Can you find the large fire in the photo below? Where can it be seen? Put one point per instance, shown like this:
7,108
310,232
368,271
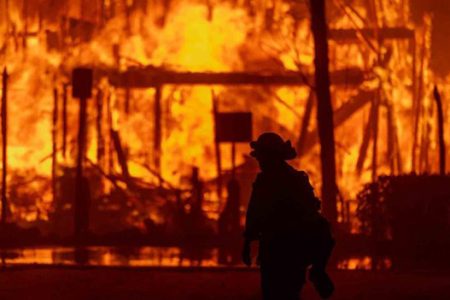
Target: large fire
41,41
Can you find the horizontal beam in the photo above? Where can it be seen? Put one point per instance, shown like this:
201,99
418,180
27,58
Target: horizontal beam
152,77
351,35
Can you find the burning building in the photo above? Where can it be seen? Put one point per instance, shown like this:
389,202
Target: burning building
163,68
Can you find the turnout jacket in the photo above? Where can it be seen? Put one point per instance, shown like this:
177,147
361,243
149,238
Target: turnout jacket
282,202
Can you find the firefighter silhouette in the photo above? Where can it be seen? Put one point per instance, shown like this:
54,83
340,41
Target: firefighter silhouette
283,215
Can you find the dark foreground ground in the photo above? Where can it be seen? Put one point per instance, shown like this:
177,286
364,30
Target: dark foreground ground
153,283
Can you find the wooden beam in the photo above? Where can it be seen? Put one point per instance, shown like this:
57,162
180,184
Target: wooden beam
153,77
387,33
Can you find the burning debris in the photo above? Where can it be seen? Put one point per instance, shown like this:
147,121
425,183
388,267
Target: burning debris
163,69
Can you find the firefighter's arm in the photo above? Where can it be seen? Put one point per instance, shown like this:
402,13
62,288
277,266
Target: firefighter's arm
253,216
311,197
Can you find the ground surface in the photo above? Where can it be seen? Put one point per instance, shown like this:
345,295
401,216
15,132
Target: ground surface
153,283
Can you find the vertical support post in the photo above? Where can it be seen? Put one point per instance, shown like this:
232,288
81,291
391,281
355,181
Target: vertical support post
305,123
418,101
110,162
64,121
217,148
157,129
82,80
324,109
79,171
100,138
4,116
390,138
375,135
233,160
54,142
366,140
127,100
440,114
414,101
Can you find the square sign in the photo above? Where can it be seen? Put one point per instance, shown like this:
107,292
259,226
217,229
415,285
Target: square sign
234,127
82,83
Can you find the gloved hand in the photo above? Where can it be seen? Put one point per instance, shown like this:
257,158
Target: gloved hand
246,253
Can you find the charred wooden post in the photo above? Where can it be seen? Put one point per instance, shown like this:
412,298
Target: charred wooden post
197,192
54,142
398,154
110,162
64,121
4,116
120,155
324,109
417,107
390,138
424,162
305,123
81,89
414,88
157,129
127,99
365,142
217,149
99,121
440,114
79,199
376,114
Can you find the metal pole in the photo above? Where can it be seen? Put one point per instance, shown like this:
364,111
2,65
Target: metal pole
4,116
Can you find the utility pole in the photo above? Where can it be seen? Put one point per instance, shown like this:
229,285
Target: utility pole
324,109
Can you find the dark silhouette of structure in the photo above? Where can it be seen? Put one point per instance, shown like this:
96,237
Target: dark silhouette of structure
283,214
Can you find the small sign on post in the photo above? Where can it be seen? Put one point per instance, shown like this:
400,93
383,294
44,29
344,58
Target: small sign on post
235,127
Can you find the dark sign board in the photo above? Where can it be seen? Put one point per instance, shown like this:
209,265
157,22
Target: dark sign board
234,127
82,83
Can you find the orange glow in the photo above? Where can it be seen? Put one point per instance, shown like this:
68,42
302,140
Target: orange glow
197,38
